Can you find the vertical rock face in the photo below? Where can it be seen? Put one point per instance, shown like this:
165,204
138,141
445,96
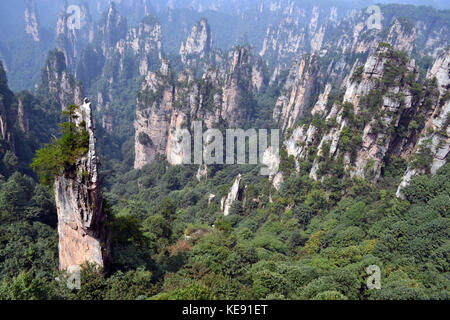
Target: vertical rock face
31,21
298,90
243,78
81,221
121,56
111,29
3,112
22,116
3,121
379,117
143,42
153,116
377,87
282,42
198,43
57,82
376,135
69,38
302,29
329,65
434,143
6,112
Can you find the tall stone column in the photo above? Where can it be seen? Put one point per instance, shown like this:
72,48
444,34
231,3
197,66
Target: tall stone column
81,220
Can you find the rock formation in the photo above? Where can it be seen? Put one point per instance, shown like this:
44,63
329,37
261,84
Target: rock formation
298,90
144,43
243,78
58,83
3,110
6,111
22,115
111,29
70,37
301,30
434,143
81,220
119,55
165,105
233,195
198,44
378,117
31,21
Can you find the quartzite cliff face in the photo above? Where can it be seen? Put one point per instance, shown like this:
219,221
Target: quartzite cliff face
71,36
31,21
325,60
385,111
198,44
81,220
434,143
221,94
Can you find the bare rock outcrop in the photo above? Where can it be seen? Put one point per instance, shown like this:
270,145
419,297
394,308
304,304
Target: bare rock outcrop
228,200
111,29
199,44
143,42
166,104
301,30
4,125
297,92
379,117
23,121
433,147
70,36
242,79
81,220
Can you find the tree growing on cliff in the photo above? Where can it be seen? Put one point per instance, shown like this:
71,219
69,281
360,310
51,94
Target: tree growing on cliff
54,158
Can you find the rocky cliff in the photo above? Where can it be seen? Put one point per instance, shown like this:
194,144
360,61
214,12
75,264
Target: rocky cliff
302,29
6,99
199,44
118,58
345,46
297,92
433,147
233,195
81,220
57,83
31,20
144,43
385,111
111,29
164,104
71,37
